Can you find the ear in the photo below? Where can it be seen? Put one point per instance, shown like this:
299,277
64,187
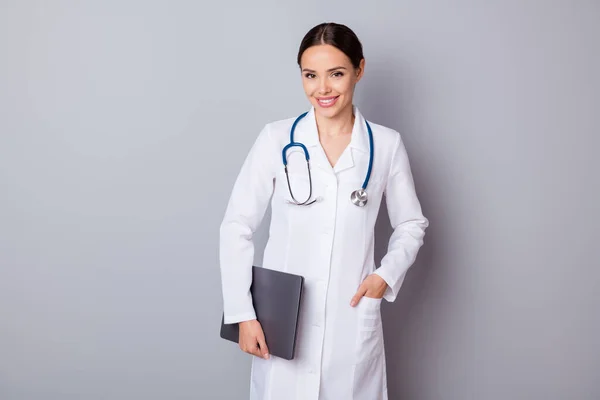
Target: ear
360,70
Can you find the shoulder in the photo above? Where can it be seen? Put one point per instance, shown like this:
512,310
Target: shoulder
386,136
387,141
279,130
274,133
389,146
281,124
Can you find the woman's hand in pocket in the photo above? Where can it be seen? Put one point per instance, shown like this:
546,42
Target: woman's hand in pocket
373,286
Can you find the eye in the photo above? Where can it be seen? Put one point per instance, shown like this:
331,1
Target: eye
309,75
338,74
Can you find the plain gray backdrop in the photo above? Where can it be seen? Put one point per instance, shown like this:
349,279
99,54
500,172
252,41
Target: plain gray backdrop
123,125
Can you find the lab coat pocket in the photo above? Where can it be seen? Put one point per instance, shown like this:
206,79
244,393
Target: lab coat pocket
369,380
369,342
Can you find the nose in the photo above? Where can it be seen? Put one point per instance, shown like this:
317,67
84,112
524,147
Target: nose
324,86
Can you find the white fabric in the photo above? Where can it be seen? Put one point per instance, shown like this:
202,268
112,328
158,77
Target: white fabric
340,349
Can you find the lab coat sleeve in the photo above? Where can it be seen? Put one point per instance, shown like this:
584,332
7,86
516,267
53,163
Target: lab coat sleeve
407,221
245,210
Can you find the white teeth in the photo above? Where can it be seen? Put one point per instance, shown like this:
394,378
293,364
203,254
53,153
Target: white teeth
326,101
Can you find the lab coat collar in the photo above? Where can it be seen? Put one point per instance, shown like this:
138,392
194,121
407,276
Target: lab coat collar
308,134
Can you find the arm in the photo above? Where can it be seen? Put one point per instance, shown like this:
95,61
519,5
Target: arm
406,219
249,199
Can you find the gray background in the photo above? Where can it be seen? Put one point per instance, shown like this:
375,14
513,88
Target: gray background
123,125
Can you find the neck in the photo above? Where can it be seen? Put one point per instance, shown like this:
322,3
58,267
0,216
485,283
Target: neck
341,124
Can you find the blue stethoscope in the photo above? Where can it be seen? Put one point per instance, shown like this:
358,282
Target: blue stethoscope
358,197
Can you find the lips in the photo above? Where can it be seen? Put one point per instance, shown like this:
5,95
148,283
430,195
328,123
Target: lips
326,102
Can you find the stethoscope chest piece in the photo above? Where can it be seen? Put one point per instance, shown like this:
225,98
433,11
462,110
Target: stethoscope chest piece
359,197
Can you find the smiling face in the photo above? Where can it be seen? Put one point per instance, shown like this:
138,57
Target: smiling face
329,78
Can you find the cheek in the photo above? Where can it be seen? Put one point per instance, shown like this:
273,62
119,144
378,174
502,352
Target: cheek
343,86
309,86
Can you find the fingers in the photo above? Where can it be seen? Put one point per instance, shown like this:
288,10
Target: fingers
263,351
251,347
360,293
255,351
252,340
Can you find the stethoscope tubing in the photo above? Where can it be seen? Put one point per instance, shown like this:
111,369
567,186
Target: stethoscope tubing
358,197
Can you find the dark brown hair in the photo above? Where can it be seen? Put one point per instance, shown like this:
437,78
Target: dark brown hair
337,35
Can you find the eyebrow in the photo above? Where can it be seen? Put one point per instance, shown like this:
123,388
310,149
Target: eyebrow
329,70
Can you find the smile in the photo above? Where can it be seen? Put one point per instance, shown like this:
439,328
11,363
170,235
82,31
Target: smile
327,101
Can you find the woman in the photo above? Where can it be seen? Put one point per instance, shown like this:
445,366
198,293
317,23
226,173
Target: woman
321,233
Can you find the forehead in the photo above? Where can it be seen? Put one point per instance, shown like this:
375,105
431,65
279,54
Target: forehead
323,56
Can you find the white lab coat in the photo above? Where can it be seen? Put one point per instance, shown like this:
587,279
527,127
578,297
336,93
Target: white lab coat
340,349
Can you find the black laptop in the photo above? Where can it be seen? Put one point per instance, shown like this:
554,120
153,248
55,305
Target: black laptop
276,297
